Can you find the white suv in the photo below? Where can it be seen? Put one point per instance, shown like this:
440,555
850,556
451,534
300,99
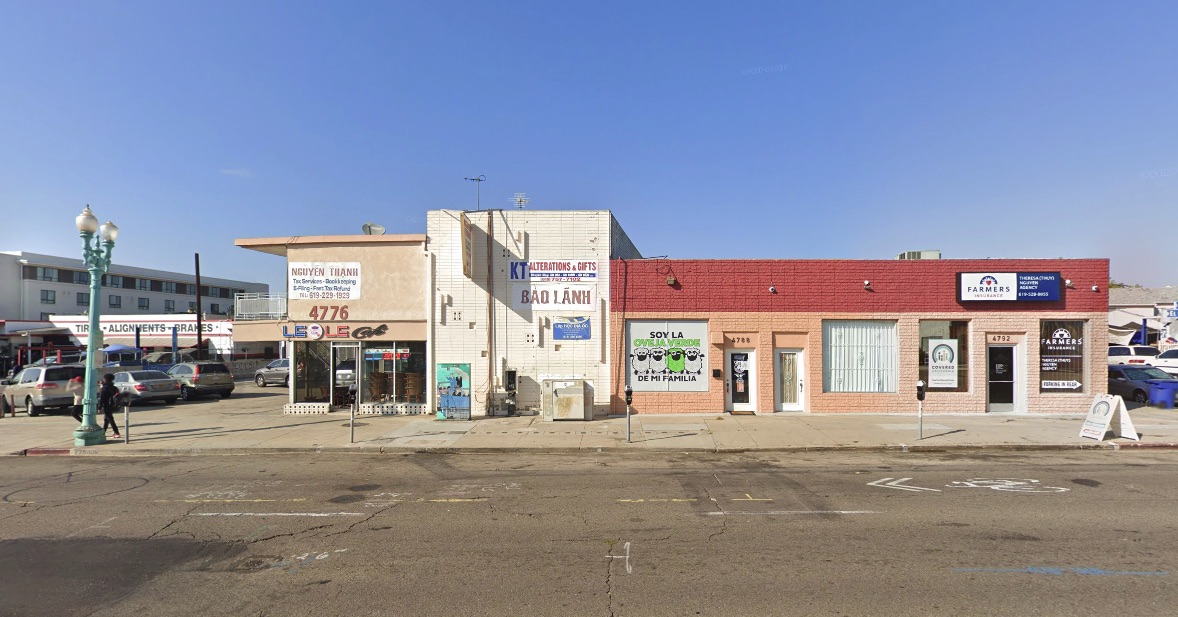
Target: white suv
1131,354
1167,361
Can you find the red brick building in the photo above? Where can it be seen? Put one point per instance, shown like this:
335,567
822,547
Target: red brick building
986,335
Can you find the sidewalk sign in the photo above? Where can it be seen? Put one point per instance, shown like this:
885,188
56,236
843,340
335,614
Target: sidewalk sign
1108,412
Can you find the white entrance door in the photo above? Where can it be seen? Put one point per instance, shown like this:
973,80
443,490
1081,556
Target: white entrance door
790,380
739,387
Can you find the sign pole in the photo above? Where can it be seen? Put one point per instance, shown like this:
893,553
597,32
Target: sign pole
127,422
920,419
352,421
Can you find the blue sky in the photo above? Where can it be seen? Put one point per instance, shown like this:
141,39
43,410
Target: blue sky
768,130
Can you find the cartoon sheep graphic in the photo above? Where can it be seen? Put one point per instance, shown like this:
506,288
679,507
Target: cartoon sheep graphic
640,360
695,360
675,356
658,360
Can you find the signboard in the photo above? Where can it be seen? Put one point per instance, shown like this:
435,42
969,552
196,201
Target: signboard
320,280
942,363
553,296
467,247
558,270
1172,313
1009,286
571,329
667,356
453,382
1061,355
314,331
376,353
1108,413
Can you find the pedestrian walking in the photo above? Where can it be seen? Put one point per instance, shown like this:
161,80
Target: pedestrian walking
108,400
77,387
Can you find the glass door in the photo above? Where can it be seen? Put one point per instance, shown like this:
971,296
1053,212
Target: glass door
346,382
790,385
739,387
1000,376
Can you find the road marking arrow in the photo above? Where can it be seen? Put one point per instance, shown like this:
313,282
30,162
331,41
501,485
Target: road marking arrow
896,482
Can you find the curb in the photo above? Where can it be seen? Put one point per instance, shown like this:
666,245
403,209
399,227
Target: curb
407,450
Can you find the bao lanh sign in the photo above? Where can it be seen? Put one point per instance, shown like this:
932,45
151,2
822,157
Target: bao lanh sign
667,356
1009,286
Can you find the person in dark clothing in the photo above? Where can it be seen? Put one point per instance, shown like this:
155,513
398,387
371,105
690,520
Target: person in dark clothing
108,401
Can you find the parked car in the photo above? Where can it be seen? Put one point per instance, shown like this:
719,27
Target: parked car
1167,361
202,378
1131,354
37,388
277,371
345,374
183,355
144,386
1133,382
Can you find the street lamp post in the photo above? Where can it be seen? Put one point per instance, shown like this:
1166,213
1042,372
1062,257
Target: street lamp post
96,254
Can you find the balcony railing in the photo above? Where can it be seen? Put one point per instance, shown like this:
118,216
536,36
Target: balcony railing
257,307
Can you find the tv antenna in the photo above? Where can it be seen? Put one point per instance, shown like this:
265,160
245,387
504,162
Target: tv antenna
520,200
479,180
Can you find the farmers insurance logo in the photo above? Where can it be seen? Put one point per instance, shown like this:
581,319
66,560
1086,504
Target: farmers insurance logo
988,285
1061,340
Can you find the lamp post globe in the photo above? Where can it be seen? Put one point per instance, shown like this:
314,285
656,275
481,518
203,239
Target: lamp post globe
96,252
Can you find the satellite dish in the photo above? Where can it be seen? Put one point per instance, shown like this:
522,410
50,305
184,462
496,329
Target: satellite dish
373,229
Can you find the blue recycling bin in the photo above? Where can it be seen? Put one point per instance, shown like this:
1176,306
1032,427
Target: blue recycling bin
1162,394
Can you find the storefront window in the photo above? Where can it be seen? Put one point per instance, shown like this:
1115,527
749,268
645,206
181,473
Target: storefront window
394,372
1061,356
312,372
957,333
859,356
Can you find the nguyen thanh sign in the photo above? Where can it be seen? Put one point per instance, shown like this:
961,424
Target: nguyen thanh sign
1009,286
324,280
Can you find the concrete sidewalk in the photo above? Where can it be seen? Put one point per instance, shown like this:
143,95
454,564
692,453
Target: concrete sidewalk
252,422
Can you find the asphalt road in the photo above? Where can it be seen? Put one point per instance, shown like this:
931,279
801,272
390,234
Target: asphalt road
1081,533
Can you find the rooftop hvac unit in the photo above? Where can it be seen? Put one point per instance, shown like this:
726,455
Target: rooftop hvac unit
919,255
565,399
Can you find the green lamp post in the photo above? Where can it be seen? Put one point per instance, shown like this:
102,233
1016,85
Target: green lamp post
96,254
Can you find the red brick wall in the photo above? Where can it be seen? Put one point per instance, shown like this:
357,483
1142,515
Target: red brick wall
733,296
837,285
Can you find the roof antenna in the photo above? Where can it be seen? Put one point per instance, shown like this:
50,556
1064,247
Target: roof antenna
520,200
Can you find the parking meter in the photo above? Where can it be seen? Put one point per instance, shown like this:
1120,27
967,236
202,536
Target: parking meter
920,409
629,398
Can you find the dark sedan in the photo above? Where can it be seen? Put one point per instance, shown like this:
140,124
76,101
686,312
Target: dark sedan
1134,382
144,386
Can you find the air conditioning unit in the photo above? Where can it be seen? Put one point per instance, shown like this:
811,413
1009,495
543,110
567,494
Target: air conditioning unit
919,255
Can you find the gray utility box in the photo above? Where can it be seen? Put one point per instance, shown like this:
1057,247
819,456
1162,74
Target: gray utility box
566,399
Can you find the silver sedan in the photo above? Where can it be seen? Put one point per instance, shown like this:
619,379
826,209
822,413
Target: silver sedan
144,386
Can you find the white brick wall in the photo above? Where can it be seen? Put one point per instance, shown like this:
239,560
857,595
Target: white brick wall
521,340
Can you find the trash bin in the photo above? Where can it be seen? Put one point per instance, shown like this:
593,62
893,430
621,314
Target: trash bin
1162,394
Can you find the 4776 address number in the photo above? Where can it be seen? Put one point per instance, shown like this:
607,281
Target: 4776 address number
329,312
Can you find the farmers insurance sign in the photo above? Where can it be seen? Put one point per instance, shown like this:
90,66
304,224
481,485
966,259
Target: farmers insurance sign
1016,286
667,356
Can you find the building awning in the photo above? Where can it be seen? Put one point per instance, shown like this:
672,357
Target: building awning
38,331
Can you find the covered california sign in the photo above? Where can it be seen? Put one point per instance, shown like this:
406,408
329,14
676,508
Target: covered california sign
667,356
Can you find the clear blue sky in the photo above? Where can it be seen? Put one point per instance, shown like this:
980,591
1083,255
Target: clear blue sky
770,130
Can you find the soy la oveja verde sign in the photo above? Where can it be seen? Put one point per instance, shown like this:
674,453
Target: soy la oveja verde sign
667,356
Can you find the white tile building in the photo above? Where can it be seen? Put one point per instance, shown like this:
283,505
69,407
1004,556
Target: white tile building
531,296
